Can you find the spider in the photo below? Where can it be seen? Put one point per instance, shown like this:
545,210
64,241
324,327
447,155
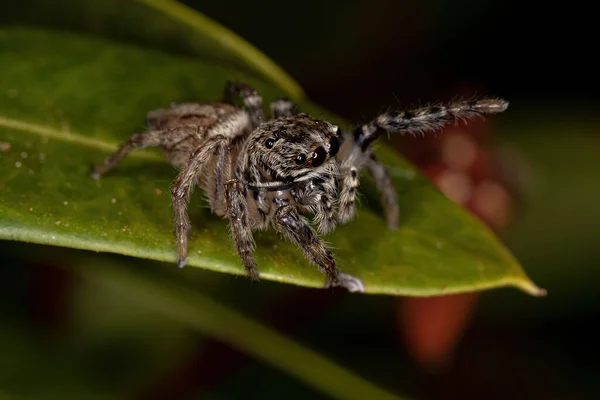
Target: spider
260,173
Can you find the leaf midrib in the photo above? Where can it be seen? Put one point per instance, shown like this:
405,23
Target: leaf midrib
69,136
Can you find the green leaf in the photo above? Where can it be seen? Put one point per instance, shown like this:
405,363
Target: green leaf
164,24
67,101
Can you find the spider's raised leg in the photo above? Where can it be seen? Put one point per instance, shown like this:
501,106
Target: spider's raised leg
424,119
182,190
249,96
137,141
241,230
416,121
290,224
283,108
385,186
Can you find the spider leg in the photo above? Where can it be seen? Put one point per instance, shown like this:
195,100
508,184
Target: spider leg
182,190
385,186
137,141
325,214
424,119
283,108
347,200
415,121
215,185
290,224
319,199
249,96
241,230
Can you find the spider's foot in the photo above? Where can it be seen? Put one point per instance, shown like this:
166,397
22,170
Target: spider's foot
181,262
253,274
95,174
347,281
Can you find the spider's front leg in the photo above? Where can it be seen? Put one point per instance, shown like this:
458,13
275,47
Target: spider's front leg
241,229
424,119
318,198
290,224
347,201
182,190
415,121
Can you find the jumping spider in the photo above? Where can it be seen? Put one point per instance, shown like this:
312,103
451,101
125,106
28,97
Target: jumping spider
260,173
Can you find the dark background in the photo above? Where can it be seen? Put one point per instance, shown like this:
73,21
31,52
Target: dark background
357,57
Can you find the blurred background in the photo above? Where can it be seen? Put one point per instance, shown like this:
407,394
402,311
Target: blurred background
529,174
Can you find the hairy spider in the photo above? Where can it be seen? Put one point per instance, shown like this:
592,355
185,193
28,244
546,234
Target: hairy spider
260,173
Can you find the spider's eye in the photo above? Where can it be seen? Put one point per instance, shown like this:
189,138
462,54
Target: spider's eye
338,131
334,146
318,157
300,159
270,143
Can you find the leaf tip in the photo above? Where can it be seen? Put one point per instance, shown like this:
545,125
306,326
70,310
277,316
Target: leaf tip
531,288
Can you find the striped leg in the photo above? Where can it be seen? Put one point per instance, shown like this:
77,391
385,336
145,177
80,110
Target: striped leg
182,190
347,201
424,119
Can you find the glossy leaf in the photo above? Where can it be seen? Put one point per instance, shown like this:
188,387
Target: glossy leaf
67,101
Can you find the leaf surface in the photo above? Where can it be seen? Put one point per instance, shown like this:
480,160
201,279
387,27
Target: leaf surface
67,101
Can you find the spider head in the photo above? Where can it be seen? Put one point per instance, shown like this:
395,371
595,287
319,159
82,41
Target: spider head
293,149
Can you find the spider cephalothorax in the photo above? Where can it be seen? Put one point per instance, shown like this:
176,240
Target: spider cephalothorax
262,173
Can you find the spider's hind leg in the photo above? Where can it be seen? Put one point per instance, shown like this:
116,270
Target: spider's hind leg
137,141
249,96
388,192
283,108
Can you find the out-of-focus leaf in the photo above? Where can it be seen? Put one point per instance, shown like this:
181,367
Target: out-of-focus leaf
67,102
164,24
218,321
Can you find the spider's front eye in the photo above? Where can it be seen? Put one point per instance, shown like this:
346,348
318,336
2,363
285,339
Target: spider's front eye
338,131
270,143
300,159
334,146
318,157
